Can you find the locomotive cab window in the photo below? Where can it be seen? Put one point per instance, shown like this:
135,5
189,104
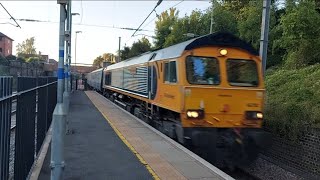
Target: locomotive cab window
203,70
170,72
242,73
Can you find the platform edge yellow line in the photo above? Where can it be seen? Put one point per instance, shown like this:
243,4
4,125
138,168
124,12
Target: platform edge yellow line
124,140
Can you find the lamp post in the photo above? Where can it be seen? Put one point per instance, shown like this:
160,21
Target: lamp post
75,51
119,59
69,50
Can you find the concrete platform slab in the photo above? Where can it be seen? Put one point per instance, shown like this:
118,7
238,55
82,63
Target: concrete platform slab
94,150
109,143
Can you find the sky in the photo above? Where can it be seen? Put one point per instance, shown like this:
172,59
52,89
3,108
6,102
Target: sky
96,20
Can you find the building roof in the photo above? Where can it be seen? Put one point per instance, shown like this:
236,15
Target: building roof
3,35
53,61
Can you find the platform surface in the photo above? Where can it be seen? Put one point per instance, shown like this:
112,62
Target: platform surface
110,143
93,150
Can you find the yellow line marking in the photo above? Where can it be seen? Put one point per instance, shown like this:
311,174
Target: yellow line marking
124,140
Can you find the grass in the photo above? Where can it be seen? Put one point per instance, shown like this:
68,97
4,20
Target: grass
293,100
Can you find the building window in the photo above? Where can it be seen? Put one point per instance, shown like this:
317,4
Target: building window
0,38
170,72
0,49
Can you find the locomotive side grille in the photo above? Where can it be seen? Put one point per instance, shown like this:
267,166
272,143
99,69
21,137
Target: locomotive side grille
136,81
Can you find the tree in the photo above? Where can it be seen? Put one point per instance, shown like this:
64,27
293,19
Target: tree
105,57
26,47
197,23
124,54
234,6
250,24
223,19
164,26
143,45
300,35
108,57
97,61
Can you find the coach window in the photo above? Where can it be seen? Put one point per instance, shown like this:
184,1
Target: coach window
170,72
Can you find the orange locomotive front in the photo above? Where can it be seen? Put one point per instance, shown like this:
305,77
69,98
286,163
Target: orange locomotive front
206,93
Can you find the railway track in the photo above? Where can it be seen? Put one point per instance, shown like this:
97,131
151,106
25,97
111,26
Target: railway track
13,112
240,174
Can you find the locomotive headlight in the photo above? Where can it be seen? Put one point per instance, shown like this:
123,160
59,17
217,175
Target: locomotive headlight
223,52
253,115
195,114
259,115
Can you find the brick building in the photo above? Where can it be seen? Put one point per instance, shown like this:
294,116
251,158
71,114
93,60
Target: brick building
5,45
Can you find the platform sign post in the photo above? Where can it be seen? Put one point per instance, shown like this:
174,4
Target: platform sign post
57,163
66,94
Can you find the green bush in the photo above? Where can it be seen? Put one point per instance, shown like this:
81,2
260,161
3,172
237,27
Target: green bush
292,100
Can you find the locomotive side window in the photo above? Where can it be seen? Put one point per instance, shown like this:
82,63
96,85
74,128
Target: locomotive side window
170,72
107,80
242,72
203,70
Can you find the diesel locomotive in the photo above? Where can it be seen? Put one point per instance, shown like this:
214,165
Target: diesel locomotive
207,93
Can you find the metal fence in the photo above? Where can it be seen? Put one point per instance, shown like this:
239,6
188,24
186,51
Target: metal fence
5,124
36,100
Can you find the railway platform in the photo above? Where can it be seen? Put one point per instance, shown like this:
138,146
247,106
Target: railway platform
107,142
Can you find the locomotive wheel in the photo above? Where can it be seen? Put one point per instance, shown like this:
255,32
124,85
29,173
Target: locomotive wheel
111,98
136,112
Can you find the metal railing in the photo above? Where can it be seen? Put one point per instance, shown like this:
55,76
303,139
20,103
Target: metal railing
5,124
35,102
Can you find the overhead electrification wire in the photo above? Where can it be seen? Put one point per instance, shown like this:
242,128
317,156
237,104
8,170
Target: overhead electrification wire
11,16
9,23
90,25
155,18
159,2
